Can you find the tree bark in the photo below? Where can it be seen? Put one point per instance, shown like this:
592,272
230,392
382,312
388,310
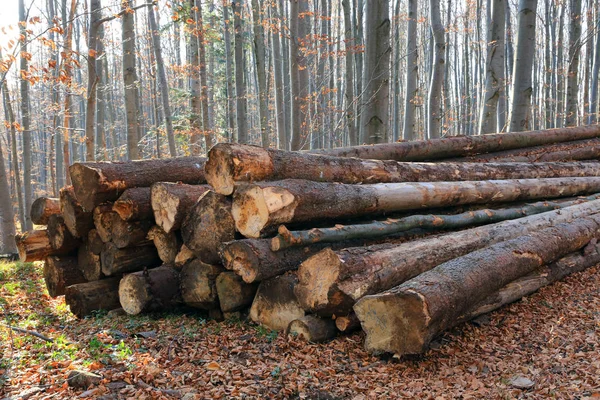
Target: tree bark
575,46
234,294
35,246
25,113
233,163
7,217
521,80
96,183
167,244
60,272
347,275
208,224
59,235
275,304
134,205
127,234
405,319
434,101
258,207
278,72
130,82
198,284
412,73
117,261
240,85
42,208
78,221
206,127
229,76
259,56
172,202
349,47
93,78
95,242
104,219
593,119
84,298
312,329
195,84
156,289
88,262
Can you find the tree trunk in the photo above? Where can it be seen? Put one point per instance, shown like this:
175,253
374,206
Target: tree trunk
259,56
208,224
349,47
229,76
167,244
195,84
376,73
296,102
275,304
60,272
172,202
25,116
118,261
434,101
278,72
257,207
134,205
347,275
198,286
232,163
7,218
130,82
594,95
405,319
312,329
127,234
59,235
234,294
435,149
494,75
93,78
156,289
35,246
575,46
206,126
521,79
162,81
42,208
412,73
84,298
88,262
96,183
78,221
240,85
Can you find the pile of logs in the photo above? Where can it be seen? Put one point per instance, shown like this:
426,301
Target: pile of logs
401,240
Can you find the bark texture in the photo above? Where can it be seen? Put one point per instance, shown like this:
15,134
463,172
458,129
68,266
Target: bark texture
84,298
134,204
275,304
172,202
42,208
60,272
234,294
117,261
167,244
312,329
156,289
198,284
78,221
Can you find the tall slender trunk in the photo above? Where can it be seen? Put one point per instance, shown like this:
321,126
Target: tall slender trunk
358,77
560,72
130,82
228,74
349,48
412,72
548,69
93,78
240,85
304,42
521,83
296,131
278,75
573,62
193,55
596,68
434,103
101,98
206,126
259,56
494,82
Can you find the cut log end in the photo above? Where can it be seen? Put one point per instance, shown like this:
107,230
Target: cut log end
234,294
250,211
86,182
165,206
125,209
348,323
312,329
219,171
60,272
241,260
43,208
275,304
198,286
134,294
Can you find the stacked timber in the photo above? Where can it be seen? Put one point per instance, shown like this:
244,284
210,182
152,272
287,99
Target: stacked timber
401,240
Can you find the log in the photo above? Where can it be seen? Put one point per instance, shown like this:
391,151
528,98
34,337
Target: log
348,323
330,282
60,272
198,284
42,208
84,298
171,203
208,224
184,255
130,233
391,226
95,242
231,163
275,304
257,207
59,235
405,319
312,329
78,221
35,246
155,289
167,244
97,183
234,294
89,262
117,260
457,146
134,204
104,219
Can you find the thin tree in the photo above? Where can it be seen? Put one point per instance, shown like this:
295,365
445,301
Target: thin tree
434,101
259,56
240,85
130,80
7,218
92,78
278,70
349,89
412,71
294,76
574,50
522,69
206,127
593,118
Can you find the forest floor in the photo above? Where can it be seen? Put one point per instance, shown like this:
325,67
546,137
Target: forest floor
549,341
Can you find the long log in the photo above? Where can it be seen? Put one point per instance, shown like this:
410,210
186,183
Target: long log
42,208
60,272
330,282
96,183
134,204
167,244
88,262
257,207
208,224
456,146
35,246
312,329
84,298
156,289
172,202
275,304
406,318
234,294
198,284
117,260
76,218
59,235
377,229
231,163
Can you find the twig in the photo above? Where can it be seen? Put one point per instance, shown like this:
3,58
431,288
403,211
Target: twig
28,332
